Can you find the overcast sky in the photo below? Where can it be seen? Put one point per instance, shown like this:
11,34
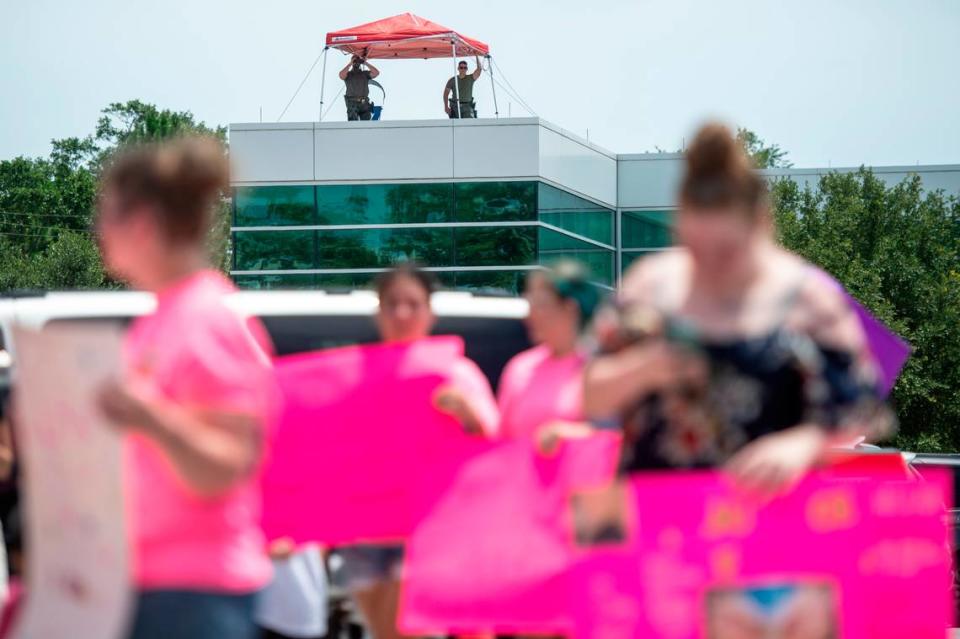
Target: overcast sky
839,82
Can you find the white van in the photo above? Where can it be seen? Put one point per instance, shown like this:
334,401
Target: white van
299,321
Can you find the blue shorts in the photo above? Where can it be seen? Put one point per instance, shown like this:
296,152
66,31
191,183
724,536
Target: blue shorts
188,614
367,565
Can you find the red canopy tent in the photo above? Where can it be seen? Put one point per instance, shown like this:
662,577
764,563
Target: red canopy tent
405,36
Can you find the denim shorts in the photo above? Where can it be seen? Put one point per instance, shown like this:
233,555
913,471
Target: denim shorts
365,565
188,614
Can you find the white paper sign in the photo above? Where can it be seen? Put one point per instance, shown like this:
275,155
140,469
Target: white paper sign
78,575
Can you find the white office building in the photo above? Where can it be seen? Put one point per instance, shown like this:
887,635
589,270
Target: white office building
480,202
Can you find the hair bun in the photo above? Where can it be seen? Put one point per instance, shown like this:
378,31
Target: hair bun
195,166
715,152
719,172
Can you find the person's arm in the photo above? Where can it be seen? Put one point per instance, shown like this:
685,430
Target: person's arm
622,374
853,374
446,96
476,72
374,71
7,452
212,451
549,435
612,382
850,405
346,70
468,398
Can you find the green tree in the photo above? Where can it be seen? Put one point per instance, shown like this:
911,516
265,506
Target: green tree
138,122
47,204
897,250
70,262
764,156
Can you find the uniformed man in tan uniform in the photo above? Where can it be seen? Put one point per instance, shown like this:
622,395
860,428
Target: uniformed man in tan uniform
357,94
465,107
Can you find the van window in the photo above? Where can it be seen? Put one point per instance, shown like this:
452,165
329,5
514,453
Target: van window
490,342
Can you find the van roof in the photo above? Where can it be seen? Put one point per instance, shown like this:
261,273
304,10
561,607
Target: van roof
38,309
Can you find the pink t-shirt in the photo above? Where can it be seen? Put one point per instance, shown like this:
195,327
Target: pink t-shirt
537,388
197,353
470,380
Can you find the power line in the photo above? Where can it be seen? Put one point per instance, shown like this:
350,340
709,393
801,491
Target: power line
54,215
40,235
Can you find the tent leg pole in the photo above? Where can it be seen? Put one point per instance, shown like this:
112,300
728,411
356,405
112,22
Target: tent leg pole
496,109
456,85
323,81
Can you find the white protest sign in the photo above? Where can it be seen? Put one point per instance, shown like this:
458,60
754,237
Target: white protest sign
78,574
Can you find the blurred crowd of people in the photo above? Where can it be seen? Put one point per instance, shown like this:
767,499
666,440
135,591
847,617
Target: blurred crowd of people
725,352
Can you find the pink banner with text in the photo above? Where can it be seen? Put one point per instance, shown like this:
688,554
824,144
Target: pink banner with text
494,553
845,558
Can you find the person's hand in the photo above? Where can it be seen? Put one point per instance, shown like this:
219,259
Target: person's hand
447,109
549,436
123,407
669,366
774,462
281,549
449,400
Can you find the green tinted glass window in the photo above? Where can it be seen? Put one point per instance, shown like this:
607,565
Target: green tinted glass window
627,258
384,203
267,282
575,214
596,224
446,280
498,282
550,198
274,205
349,281
376,248
646,229
492,246
495,201
273,250
555,246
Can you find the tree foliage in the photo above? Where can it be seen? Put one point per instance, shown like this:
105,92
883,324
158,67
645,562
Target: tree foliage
897,250
764,156
136,122
47,204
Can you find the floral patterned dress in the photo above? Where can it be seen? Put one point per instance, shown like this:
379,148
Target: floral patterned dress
754,386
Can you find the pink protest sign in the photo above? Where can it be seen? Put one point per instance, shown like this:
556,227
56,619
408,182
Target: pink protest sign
493,554
834,558
356,435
